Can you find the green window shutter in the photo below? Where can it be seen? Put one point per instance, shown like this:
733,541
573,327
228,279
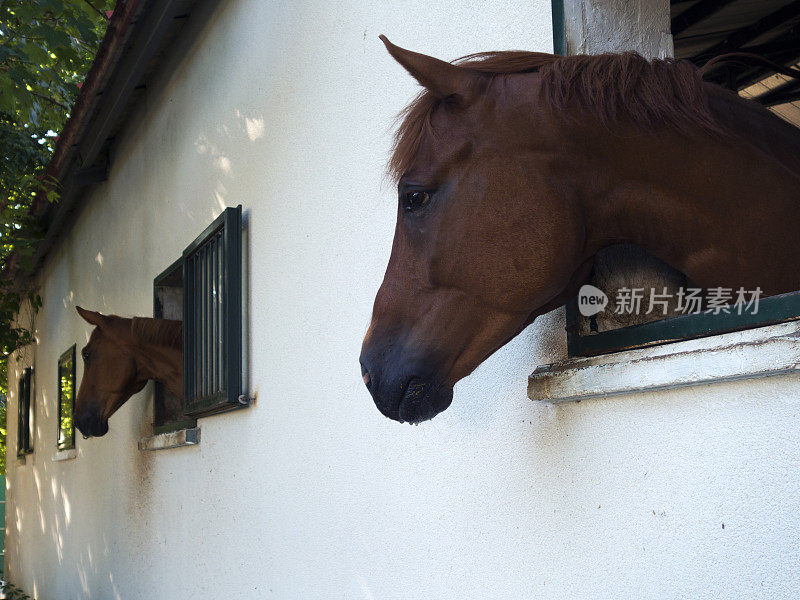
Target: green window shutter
212,317
559,31
772,310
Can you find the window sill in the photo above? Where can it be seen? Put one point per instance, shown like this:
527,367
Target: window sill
65,454
750,354
172,439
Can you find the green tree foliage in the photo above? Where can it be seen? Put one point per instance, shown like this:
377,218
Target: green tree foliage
46,49
12,592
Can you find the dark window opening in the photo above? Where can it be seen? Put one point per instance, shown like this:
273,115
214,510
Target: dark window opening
168,411
25,413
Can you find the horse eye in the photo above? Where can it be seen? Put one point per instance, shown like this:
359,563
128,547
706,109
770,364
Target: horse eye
85,355
415,200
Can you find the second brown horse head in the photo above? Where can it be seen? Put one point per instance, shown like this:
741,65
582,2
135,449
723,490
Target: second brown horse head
121,356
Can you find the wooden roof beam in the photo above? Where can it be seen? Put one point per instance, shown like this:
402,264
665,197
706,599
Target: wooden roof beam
697,13
742,36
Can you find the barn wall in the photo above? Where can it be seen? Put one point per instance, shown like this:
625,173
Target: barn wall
311,493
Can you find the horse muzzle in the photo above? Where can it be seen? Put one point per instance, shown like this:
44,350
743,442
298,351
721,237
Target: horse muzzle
91,425
404,391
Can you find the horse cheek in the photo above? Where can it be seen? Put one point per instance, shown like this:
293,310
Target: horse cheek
85,393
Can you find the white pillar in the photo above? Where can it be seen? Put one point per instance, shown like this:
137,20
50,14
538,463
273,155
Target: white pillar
643,26
597,26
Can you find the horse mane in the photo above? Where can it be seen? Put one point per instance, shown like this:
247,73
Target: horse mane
609,87
160,332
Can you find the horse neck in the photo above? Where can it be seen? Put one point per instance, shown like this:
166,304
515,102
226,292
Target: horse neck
163,364
759,127
725,211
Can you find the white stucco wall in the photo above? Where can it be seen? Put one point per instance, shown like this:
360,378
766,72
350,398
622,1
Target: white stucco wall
311,493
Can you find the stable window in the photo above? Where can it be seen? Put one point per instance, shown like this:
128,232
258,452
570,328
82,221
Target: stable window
584,337
650,303
25,413
204,289
66,399
700,31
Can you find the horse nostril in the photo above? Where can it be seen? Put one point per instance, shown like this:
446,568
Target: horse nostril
415,389
366,376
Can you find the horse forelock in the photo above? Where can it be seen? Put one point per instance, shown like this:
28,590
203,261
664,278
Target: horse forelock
160,332
609,87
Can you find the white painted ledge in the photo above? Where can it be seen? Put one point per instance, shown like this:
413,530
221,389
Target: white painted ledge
173,439
65,454
751,354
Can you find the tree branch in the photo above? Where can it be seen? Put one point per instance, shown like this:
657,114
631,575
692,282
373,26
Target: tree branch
51,100
97,10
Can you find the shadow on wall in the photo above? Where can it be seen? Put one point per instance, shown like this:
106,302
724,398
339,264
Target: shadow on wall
69,524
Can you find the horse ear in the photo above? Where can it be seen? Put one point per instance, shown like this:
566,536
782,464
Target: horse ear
90,316
441,78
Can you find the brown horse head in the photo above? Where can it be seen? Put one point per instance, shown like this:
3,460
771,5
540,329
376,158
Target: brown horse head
121,356
482,240
515,168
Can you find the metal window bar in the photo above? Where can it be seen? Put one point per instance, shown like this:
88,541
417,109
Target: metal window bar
212,317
